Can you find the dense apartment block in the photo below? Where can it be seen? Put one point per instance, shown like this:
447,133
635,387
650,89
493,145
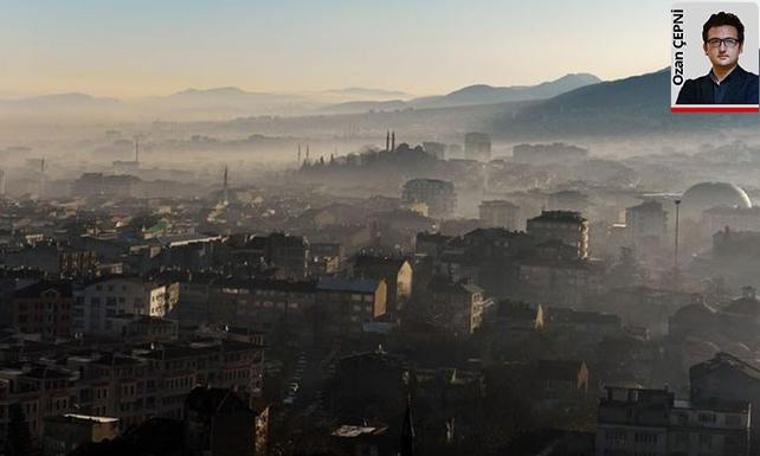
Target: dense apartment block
43,307
130,383
636,421
98,301
568,227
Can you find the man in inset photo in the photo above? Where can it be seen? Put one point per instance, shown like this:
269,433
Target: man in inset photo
727,82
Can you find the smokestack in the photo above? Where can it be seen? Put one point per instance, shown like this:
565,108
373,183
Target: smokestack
299,154
393,141
387,140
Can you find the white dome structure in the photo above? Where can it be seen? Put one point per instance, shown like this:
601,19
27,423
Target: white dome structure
707,195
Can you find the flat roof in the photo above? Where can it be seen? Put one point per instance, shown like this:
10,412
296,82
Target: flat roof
74,417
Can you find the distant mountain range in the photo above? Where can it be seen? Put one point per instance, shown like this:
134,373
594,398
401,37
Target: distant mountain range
637,105
576,104
58,100
231,102
365,93
473,95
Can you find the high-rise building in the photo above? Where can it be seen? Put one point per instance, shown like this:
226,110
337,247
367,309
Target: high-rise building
436,149
438,195
477,146
646,224
568,227
499,214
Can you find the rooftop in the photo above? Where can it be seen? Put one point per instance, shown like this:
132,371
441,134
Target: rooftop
341,284
75,418
214,400
351,431
559,216
724,360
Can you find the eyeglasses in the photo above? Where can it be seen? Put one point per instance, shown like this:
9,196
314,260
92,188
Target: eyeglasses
729,42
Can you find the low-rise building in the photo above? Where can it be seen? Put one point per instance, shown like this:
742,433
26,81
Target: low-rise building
217,422
351,303
65,433
397,273
562,382
728,378
653,422
457,307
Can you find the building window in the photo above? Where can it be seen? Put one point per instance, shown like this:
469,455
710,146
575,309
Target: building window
645,437
733,420
615,436
706,417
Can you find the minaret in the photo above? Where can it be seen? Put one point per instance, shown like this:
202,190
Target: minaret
42,177
407,431
137,150
225,193
387,140
393,141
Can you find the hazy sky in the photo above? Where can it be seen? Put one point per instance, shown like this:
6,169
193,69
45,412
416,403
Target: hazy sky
139,47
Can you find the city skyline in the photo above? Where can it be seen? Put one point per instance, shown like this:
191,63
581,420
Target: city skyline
418,47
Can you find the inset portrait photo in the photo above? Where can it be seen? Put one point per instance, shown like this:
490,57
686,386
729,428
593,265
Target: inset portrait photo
714,57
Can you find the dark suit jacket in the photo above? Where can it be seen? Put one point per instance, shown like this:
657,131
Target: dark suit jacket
739,87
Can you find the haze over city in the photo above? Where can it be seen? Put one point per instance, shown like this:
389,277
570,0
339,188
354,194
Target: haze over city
400,228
